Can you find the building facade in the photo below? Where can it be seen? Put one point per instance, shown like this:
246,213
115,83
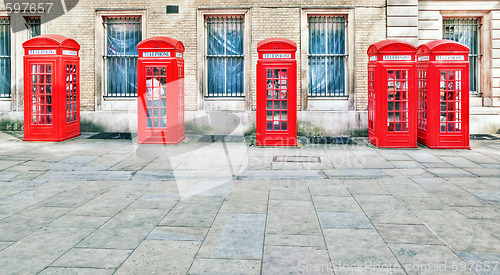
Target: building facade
221,39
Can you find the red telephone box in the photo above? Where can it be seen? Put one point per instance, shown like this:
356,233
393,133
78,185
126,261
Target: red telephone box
276,93
443,94
392,97
160,79
51,88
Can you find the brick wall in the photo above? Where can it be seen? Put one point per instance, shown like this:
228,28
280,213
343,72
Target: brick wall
274,18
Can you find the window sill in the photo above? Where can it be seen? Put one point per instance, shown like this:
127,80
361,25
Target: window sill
225,98
327,98
120,98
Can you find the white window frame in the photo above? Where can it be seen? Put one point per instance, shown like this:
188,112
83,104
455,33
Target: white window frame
223,103
328,103
484,57
115,103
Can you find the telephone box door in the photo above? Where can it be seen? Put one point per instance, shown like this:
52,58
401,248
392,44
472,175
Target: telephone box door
279,105
153,95
40,117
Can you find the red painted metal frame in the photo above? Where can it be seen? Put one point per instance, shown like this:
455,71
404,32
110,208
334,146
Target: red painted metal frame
385,57
286,66
444,126
172,132
47,103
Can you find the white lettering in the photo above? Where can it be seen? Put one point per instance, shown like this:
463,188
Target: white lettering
42,52
423,58
397,57
156,54
373,58
450,57
277,55
66,52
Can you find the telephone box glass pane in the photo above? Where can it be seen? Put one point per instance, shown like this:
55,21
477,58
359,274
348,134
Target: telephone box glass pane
156,97
277,85
451,102
42,98
397,100
70,93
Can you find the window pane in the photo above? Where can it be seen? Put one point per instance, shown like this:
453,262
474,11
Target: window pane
327,56
4,57
33,25
225,56
465,31
122,36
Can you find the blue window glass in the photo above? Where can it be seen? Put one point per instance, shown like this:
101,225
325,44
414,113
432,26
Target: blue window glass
225,57
327,56
122,36
33,25
466,31
4,57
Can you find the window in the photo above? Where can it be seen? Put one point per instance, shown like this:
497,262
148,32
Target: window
33,26
122,36
466,31
224,56
327,56
4,57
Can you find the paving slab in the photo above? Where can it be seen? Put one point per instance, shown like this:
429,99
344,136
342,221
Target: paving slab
341,220
386,209
18,226
336,204
242,237
125,230
159,257
295,240
80,221
165,233
247,201
429,259
79,271
358,247
225,266
292,219
69,176
4,245
30,255
297,193
410,234
451,172
490,226
281,174
482,263
194,212
355,173
458,232
96,258
294,260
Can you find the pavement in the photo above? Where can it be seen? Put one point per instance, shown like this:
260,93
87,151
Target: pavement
88,206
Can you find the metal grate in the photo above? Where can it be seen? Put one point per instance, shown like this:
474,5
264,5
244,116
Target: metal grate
122,36
33,26
111,136
225,58
327,56
484,137
466,31
5,59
